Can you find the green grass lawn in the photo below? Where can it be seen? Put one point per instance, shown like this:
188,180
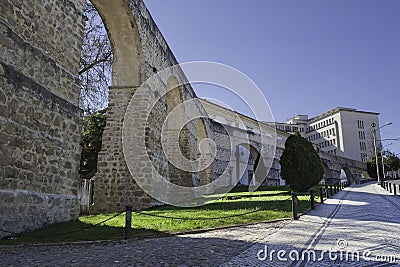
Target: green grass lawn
270,205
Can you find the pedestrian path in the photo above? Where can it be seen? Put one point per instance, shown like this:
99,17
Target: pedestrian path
360,226
361,219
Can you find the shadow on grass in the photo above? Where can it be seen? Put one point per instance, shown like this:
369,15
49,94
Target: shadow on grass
74,231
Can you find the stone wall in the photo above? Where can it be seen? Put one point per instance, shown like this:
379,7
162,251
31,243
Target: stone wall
40,44
334,164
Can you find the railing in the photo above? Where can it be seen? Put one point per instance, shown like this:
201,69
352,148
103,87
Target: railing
324,193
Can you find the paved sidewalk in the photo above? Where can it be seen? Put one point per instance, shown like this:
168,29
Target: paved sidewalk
360,226
362,218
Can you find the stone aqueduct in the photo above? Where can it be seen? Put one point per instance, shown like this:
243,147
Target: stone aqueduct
40,121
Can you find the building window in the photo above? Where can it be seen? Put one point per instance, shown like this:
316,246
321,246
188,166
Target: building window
360,124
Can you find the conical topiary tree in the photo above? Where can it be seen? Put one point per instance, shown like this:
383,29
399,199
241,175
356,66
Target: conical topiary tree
301,166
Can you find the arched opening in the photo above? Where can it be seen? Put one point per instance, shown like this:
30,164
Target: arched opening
281,181
95,72
111,52
113,183
343,176
346,175
125,41
245,165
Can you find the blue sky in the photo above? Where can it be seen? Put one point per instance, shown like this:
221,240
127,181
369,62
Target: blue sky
306,56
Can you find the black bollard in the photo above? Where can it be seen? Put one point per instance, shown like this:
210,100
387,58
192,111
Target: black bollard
312,200
331,189
334,188
294,206
394,189
390,188
321,195
128,222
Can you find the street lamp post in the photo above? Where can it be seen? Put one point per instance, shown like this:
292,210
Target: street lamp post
376,154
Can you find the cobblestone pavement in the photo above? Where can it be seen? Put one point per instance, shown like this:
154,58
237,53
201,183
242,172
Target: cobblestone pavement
359,226
202,249
361,218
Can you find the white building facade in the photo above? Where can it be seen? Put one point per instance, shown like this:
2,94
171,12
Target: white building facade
340,131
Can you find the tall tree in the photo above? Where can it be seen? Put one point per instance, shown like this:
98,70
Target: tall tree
391,161
93,127
301,166
96,62
371,167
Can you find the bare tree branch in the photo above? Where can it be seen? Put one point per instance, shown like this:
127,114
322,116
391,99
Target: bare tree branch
95,64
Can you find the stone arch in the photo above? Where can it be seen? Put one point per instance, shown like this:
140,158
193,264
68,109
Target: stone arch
327,173
244,171
139,52
349,175
114,187
125,41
